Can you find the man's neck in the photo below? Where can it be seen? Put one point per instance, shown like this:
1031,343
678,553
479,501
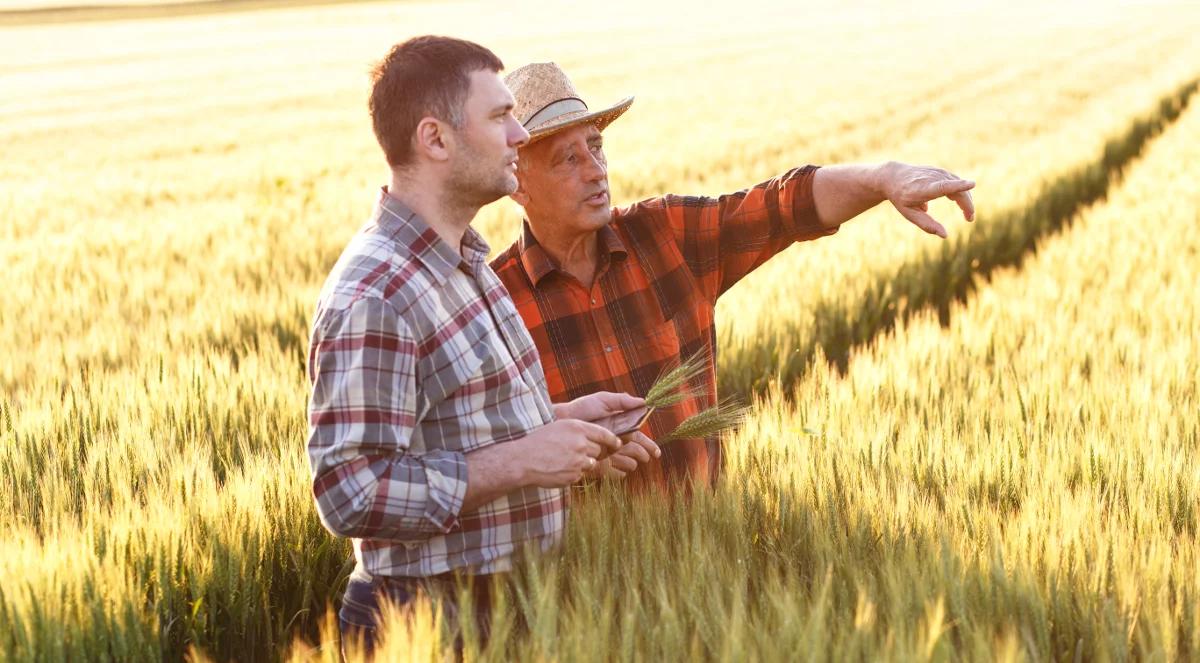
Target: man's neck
576,254
448,217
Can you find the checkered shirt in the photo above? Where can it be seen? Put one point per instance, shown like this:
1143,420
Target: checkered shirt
418,357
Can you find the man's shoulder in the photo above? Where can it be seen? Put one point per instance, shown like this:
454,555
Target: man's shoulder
374,266
645,225
655,216
658,205
669,223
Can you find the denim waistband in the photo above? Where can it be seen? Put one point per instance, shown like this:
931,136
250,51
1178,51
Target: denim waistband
364,594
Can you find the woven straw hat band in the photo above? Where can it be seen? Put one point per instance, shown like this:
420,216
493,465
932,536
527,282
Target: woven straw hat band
555,109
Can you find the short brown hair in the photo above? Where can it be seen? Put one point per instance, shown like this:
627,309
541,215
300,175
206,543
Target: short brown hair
424,76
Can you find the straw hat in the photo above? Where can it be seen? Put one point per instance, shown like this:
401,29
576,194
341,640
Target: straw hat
547,103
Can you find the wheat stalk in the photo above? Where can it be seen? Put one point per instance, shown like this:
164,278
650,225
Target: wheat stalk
711,421
672,386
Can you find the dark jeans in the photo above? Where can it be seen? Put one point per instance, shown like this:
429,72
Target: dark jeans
359,616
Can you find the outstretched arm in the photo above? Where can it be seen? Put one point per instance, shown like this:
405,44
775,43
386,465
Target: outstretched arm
843,192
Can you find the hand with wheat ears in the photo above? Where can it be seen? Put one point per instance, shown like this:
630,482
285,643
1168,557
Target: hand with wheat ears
670,388
674,386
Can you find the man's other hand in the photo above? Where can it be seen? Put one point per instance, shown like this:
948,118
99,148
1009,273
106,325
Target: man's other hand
910,188
596,406
637,449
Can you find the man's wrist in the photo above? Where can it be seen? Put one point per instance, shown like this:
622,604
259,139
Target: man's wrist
880,179
517,465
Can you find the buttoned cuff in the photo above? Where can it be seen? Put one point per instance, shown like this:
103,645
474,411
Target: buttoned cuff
806,224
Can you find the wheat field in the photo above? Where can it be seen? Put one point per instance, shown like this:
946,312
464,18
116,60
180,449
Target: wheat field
979,448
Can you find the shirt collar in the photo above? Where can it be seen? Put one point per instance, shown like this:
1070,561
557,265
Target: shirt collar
428,247
538,263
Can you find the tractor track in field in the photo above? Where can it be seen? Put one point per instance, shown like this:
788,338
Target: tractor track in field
936,281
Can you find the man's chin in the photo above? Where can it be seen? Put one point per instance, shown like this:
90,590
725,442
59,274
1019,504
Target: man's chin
600,218
507,186
499,190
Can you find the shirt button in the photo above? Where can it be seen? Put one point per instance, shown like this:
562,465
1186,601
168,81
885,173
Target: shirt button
608,348
593,301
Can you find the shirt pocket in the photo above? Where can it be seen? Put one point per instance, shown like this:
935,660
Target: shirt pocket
645,328
689,313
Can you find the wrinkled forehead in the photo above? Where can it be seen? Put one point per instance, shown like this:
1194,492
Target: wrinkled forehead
562,140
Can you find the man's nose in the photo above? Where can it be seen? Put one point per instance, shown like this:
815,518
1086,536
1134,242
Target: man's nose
597,169
517,135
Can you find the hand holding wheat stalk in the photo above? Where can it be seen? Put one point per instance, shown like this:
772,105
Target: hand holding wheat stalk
674,385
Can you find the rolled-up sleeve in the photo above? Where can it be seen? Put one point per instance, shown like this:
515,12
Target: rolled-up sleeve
362,415
725,238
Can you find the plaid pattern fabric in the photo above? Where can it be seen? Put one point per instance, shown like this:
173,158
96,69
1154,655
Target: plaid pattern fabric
663,263
418,357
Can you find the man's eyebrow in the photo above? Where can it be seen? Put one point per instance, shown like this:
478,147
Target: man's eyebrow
504,107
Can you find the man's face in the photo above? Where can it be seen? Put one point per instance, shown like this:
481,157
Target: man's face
484,166
564,181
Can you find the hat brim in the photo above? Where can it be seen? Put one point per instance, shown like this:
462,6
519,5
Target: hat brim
601,119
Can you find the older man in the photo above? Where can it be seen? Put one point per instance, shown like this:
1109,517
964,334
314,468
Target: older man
433,442
614,296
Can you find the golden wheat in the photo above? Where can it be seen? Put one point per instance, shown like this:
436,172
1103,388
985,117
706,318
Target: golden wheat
1019,483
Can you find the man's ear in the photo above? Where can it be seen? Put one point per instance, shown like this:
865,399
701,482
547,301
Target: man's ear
432,139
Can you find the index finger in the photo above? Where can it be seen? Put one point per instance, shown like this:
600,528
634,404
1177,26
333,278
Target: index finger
644,442
601,435
625,401
951,187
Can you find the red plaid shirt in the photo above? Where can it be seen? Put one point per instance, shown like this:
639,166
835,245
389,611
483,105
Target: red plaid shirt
663,263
